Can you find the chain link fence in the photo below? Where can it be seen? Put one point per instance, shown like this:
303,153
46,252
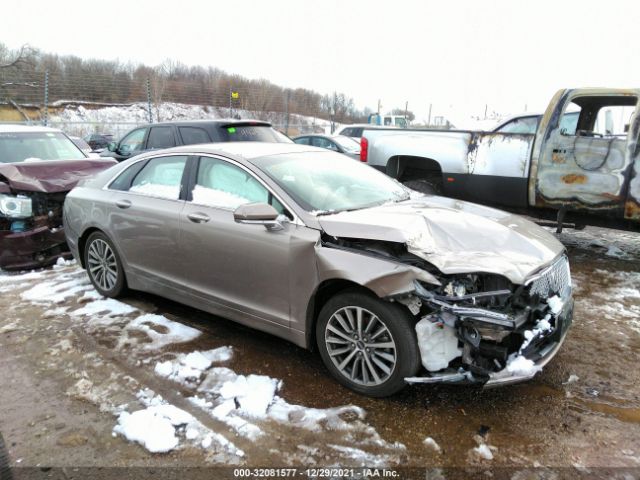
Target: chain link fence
115,104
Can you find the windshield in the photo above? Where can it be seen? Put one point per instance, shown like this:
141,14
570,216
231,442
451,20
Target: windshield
347,143
25,146
327,182
252,133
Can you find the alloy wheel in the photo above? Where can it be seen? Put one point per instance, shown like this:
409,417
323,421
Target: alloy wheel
360,346
102,264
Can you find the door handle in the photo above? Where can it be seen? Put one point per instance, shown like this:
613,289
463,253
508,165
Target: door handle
123,203
198,217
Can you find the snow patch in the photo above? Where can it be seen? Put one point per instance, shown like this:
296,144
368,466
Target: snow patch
431,443
483,451
520,365
188,368
108,307
165,332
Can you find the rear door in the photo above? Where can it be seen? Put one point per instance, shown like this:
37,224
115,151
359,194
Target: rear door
161,137
587,163
145,218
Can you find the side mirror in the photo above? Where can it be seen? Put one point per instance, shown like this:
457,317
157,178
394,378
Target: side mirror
258,214
112,146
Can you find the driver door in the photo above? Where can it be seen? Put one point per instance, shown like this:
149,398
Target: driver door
236,267
584,163
132,144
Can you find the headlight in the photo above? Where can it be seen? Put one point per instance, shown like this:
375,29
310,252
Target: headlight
15,207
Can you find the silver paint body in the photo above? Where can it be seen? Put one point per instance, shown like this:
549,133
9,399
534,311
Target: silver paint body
268,279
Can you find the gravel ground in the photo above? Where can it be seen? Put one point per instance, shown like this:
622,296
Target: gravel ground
72,365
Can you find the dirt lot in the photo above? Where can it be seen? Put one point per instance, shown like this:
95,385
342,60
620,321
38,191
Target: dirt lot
72,364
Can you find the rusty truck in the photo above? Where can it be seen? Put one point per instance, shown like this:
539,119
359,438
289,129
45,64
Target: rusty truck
581,165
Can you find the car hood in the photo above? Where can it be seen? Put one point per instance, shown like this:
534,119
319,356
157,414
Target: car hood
454,236
50,176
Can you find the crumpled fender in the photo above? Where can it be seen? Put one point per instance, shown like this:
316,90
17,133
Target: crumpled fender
384,278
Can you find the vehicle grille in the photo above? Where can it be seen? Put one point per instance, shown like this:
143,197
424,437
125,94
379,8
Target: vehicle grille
555,280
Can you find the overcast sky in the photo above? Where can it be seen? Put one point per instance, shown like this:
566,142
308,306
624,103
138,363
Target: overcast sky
457,55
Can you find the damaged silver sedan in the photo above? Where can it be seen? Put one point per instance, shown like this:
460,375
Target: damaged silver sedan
391,286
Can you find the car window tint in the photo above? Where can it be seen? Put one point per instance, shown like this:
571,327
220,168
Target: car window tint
123,181
133,141
160,177
302,141
161,137
221,184
192,135
521,125
324,143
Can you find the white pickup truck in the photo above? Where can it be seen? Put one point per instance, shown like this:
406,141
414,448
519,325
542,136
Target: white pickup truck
583,161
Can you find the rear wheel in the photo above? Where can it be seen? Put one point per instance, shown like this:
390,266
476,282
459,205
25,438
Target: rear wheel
431,185
104,266
367,344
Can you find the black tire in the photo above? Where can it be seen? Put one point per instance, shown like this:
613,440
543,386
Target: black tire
5,468
110,284
399,329
429,185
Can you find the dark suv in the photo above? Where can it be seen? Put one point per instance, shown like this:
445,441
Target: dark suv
170,134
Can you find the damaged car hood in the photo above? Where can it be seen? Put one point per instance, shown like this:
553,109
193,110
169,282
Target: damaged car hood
50,176
453,235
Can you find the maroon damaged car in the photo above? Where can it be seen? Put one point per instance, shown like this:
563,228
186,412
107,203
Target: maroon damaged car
38,167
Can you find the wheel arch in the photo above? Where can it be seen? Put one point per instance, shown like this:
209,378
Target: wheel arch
82,242
324,291
410,167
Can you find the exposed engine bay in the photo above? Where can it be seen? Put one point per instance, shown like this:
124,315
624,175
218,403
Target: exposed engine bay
472,327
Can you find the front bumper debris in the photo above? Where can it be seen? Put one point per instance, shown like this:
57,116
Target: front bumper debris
538,352
35,248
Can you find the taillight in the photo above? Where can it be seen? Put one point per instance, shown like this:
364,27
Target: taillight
364,149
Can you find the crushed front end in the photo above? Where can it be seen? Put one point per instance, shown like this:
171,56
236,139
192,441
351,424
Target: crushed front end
31,233
481,328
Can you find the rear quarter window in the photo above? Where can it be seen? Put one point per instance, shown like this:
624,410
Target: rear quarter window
249,133
193,135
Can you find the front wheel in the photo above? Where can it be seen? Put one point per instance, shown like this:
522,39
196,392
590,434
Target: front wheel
104,266
368,345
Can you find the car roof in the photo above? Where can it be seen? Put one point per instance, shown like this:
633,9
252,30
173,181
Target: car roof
241,150
15,128
215,121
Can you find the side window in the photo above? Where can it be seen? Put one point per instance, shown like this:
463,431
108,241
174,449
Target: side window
161,137
302,141
160,177
193,135
222,184
324,143
569,122
613,120
123,181
606,116
133,141
347,132
521,125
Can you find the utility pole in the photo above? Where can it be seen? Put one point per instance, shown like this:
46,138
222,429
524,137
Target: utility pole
286,128
46,97
429,118
485,111
406,109
379,106
230,97
149,101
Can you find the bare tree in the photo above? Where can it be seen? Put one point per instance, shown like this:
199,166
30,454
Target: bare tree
24,56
